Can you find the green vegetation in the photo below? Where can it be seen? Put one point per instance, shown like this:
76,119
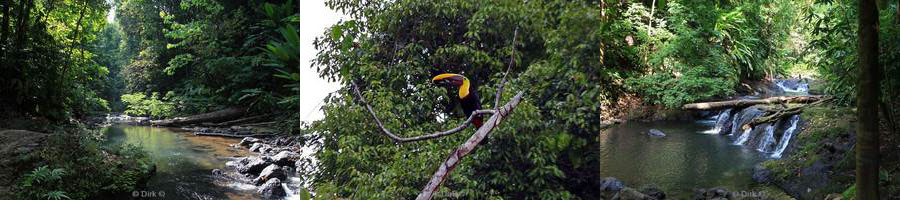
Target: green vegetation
64,62
140,105
98,171
832,26
37,182
577,62
207,55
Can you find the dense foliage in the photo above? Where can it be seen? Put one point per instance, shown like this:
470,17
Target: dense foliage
98,171
209,54
577,61
49,68
832,26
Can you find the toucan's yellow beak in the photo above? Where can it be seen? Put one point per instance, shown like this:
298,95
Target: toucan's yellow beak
444,76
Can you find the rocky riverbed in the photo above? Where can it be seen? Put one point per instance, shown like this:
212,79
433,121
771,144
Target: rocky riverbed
272,169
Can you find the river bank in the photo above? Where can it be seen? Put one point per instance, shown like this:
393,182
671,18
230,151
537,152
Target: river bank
35,147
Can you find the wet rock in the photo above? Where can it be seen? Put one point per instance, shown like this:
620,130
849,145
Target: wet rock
288,170
265,148
611,184
761,174
713,194
218,172
254,165
628,193
247,141
286,158
272,189
654,192
270,172
255,147
656,133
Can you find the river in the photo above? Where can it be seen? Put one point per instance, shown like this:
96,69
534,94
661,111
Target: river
684,160
184,162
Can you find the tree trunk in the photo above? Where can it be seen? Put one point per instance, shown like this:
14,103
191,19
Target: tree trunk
218,116
867,98
4,33
750,102
22,24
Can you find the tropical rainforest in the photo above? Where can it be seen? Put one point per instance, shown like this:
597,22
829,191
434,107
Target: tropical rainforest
69,62
451,99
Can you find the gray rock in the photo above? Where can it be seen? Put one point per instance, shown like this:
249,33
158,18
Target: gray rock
656,133
628,193
270,172
761,174
286,158
610,184
713,194
247,141
254,165
218,172
272,189
255,147
654,192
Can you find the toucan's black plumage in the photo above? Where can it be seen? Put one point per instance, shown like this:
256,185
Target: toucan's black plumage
468,94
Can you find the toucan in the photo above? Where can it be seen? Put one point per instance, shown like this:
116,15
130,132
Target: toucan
468,94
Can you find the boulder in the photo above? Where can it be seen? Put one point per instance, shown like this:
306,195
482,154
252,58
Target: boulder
286,158
611,184
628,193
656,133
713,194
761,174
654,192
272,189
270,172
253,165
218,172
255,147
247,141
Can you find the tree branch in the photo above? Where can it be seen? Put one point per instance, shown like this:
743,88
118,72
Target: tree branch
399,139
512,60
467,147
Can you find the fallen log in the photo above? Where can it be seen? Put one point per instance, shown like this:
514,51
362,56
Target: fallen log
217,116
750,102
233,135
239,121
773,114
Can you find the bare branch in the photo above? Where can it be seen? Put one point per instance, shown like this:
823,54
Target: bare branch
399,139
467,147
512,60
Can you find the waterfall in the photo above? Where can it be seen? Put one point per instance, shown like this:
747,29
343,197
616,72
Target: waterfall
786,137
801,87
768,138
734,123
720,122
744,136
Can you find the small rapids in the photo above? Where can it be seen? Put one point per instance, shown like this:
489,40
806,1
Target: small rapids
786,137
771,139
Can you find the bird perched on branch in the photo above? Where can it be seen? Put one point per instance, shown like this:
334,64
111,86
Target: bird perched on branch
468,94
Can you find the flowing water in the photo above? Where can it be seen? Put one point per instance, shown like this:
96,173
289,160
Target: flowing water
184,162
684,160
782,145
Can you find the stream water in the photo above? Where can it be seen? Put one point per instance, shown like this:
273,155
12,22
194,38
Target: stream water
184,162
684,160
